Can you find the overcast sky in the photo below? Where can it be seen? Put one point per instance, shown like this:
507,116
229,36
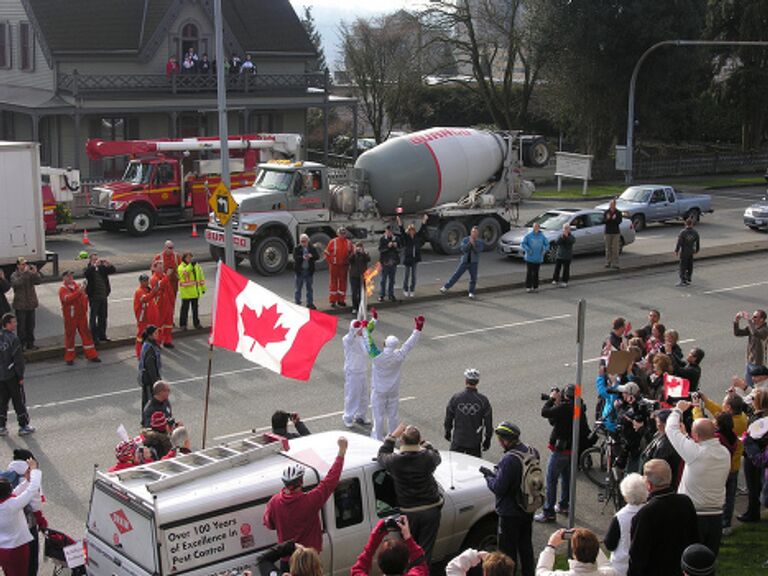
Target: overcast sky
330,13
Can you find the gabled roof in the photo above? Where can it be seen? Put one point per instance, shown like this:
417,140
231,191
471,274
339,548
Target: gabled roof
107,27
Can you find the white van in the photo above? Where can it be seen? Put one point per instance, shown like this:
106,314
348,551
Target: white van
201,514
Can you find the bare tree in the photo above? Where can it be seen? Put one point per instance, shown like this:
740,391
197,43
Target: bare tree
498,44
382,62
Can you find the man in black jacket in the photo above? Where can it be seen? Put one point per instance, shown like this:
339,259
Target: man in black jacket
280,421
12,377
660,448
469,413
691,370
663,528
389,256
304,257
97,289
412,470
558,409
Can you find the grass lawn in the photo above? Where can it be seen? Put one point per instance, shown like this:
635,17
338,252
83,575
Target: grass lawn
744,552
616,188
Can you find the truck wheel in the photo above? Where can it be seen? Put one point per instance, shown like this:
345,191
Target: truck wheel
482,536
320,240
139,221
694,214
638,221
450,236
217,253
270,256
551,255
490,232
536,154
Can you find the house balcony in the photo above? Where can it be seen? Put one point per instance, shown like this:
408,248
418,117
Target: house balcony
96,85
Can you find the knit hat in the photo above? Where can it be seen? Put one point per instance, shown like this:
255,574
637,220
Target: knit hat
125,450
698,560
158,421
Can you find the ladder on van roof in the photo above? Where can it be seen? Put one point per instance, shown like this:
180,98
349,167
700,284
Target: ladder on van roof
165,474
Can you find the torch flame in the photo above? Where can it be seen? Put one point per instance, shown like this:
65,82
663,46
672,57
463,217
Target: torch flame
369,276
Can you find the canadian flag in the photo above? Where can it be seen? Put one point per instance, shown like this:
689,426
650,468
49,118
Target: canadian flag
676,387
267,330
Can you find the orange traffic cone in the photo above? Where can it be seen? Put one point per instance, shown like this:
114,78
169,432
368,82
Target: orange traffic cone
194,230
86,241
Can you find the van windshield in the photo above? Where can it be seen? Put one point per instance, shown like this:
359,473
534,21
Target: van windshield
137,173
274,180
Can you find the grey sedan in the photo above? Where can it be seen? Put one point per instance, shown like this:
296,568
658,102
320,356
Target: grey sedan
587,226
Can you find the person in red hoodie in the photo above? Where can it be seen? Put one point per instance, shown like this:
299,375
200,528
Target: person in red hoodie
295,513
130,454
398,551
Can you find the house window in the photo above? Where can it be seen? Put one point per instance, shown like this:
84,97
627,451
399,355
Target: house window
5,45
26,47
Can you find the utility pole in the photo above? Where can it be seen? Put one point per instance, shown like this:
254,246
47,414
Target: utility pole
221,98
633,82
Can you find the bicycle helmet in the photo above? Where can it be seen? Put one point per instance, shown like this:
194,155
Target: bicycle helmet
508,430
293,474
472,374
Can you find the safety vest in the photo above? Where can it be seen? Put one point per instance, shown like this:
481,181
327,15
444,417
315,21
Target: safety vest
191,281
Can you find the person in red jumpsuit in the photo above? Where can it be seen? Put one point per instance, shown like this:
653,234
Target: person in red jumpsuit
171,260
337,254
165,298
74,307
144,308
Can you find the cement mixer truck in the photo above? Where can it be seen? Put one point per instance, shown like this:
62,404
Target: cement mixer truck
458,177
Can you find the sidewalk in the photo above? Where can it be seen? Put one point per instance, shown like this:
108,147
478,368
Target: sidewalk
124,334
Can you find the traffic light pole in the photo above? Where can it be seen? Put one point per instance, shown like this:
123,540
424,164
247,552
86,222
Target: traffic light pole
221,97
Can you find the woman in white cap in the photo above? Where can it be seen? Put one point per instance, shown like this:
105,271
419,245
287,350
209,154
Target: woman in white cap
14,532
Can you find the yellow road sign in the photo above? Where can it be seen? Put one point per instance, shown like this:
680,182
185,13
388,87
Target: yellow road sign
222,203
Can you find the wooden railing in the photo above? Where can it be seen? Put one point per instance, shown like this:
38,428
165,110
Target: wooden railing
86,84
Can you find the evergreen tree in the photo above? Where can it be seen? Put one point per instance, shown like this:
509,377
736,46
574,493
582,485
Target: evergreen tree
308,21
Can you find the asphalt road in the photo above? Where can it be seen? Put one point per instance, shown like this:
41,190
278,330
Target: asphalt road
724,226
522,345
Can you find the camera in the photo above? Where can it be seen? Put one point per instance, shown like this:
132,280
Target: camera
567,534
547,396
391,523
695,396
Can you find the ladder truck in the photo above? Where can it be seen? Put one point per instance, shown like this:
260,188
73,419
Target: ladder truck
170,180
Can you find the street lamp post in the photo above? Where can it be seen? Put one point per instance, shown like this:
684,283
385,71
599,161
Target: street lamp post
633,82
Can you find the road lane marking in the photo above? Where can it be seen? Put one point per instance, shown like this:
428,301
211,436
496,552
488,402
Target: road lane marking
732,288
310,419
501,327
592,360
133,389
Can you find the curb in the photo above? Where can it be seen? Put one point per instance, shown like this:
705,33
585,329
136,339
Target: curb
432,293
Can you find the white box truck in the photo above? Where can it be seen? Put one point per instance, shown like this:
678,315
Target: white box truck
22,232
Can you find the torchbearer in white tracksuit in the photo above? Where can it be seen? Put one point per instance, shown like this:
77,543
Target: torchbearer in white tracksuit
356,358
385,381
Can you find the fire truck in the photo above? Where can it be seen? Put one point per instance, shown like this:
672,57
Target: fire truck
170,180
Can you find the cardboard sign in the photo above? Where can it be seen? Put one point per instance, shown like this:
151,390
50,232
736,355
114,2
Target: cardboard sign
619,362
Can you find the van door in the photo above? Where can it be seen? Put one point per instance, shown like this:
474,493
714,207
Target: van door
123,530
347,524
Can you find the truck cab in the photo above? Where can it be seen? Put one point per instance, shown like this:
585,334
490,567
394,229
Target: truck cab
201,514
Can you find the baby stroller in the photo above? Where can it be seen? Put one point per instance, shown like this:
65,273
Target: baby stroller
53,549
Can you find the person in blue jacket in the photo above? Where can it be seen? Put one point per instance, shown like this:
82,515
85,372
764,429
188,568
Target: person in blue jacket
534,245
471,248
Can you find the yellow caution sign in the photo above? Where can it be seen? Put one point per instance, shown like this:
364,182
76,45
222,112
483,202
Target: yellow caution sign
222,203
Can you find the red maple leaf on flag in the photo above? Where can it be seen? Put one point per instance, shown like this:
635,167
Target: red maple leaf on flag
263,329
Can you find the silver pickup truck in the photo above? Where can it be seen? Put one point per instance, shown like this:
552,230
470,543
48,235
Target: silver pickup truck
647,203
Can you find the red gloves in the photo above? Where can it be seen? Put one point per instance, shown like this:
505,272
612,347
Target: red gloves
364,323
374,314
419,322
42,523
357,324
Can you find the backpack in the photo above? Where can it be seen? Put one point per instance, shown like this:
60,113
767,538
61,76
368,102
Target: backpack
532,484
